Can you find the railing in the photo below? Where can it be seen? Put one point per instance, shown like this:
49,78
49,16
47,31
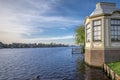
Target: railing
76,50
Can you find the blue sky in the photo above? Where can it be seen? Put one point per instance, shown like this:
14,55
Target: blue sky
43,21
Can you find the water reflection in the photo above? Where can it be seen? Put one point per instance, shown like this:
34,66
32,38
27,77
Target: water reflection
89,73
94,74
80,67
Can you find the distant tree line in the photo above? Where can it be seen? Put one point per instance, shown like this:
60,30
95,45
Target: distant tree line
30,45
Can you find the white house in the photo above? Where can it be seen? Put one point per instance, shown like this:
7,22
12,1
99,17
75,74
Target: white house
102,31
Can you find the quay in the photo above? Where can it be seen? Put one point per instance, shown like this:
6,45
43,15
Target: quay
110,73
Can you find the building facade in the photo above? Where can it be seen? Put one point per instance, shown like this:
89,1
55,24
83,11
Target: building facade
102,31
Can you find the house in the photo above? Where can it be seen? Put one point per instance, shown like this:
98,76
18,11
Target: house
102,35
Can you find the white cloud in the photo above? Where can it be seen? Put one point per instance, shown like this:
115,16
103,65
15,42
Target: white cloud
53,38
41,5
19,17
69,39
51,22
63,28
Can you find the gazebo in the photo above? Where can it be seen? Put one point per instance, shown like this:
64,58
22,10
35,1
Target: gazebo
102,35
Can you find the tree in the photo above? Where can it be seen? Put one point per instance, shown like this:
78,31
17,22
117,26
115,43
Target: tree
1,45
80,36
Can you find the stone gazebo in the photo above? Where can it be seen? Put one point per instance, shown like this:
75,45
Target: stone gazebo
102,31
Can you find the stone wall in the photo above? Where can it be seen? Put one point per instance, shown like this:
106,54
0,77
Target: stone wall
99,57
94,57
112,55
87,56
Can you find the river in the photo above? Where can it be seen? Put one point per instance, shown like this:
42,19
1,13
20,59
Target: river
49,63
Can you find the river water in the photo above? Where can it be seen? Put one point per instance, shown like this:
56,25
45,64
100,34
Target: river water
49,63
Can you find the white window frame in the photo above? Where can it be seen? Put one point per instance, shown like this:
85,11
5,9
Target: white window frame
88,32
115,30
97,29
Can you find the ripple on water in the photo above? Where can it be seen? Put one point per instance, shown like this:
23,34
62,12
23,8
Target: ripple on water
49,63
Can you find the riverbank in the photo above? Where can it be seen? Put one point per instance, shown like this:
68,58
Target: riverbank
115,66
112,70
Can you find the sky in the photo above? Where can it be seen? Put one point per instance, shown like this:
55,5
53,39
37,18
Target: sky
43,21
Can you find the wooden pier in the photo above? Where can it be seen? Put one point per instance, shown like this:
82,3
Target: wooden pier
75,50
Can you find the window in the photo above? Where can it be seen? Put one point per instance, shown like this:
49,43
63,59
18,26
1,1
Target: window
88,32
97,30
115,29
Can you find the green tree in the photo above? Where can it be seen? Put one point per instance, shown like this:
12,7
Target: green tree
80,36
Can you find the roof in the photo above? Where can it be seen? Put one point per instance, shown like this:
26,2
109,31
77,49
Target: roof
104,8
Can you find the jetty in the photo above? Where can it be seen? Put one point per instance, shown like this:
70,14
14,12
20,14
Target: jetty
75,50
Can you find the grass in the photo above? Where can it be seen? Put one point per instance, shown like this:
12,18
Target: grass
115,66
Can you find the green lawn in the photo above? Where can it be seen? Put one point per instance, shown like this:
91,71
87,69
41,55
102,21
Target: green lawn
115,67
